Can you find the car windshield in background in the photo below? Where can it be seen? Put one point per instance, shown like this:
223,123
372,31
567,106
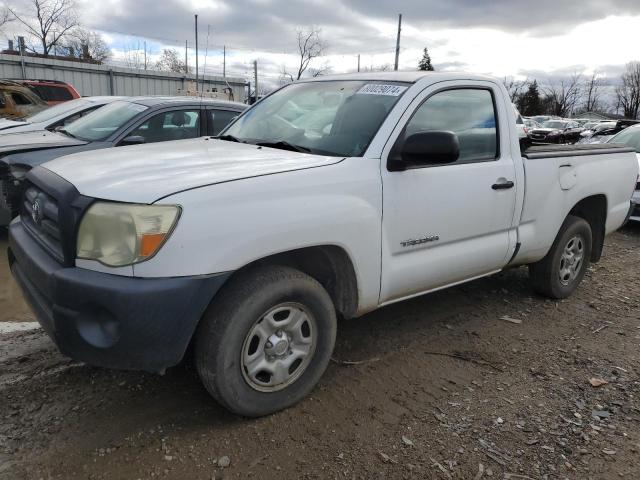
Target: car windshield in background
629,137
554,124
100,124
337,118
56,111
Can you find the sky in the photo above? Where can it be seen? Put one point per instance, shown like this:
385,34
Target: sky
544,39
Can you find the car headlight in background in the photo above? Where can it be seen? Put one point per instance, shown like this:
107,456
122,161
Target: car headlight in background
120,234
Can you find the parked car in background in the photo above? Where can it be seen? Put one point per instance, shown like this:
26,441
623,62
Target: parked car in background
591,124
542,118
55,117
582,121
531,123
250,246
557,131
51,91
17,101
630,137
521,127
132,121
603,132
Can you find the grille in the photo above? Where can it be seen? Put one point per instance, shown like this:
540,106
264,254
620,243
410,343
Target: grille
40,216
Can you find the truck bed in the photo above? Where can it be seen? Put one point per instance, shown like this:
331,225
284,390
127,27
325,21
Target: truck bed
540,151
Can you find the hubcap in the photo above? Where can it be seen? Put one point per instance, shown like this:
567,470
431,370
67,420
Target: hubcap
278,347
571,260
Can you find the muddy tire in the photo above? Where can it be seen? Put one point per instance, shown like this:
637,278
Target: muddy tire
265,340
559,273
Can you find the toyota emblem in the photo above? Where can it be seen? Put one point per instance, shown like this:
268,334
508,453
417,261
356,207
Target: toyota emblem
36,212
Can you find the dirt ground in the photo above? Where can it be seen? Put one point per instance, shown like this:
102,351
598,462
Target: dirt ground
439,387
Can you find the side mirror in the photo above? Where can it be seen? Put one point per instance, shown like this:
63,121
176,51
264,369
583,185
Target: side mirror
426,148
132,140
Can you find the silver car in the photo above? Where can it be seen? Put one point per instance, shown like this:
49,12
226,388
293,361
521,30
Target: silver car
57,116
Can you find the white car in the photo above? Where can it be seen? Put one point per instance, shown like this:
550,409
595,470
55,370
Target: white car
56,116
631,138
250,245
521,127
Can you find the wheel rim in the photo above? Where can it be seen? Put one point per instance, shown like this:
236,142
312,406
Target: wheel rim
279,347
571,260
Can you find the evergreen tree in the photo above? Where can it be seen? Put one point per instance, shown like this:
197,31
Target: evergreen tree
425,62
530,103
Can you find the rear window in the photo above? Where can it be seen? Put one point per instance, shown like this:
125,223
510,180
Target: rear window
52,93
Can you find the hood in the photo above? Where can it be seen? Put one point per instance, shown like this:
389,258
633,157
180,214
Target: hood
546,130
6,124
15,142
145,173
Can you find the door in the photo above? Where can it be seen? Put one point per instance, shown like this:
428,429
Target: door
176,124
446,223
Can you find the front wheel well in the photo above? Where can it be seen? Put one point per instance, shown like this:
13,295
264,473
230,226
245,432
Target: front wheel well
594,210
328,264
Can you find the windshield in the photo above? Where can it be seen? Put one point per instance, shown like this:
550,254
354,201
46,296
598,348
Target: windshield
101,123
554,124
57,111
337,118
629,137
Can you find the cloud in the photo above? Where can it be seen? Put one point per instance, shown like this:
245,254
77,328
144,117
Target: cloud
539,17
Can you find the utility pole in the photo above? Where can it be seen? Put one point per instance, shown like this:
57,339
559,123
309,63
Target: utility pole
186,56
395,67
255,80
358,62
21,47
145,54
224,61
196,54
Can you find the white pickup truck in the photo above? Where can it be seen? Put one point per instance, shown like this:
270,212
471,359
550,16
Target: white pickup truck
329,198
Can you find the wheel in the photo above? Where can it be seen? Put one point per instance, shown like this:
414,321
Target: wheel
559,273
265,340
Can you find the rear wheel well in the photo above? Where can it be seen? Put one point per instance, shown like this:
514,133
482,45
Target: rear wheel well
594,210
328,264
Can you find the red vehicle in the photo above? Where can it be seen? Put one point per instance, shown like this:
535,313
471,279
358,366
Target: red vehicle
51,91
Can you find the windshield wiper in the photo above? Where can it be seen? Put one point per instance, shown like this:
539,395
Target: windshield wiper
284,145
229,138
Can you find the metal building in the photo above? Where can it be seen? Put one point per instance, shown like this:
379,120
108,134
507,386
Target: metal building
90,79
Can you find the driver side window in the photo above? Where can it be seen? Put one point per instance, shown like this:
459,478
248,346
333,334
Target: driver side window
469,113
170,125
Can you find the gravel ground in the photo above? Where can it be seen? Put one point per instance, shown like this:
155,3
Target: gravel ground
482,381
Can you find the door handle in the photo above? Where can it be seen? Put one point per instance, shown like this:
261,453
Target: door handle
506,185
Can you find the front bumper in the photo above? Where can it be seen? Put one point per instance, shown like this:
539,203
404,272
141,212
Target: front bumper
109,320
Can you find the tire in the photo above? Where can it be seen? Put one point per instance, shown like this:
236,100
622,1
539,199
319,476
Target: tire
555,276
235,331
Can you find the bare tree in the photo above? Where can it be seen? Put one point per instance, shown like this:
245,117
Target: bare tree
563,97
310,46
170,61
5,16
323,69
87,45
628,93
134,56
515,87
592,92
49,22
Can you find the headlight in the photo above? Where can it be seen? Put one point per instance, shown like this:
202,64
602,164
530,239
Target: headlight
119,234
